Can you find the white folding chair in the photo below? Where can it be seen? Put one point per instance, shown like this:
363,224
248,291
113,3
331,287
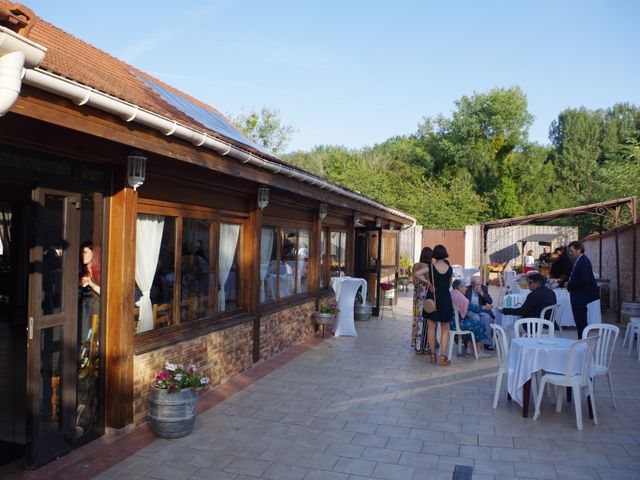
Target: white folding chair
533,327
502,349
554,316
633,330
604,350
460,333
576,381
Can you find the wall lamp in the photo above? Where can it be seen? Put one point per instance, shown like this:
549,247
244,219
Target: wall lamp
356,218
263,197
322,212
136,169
378,222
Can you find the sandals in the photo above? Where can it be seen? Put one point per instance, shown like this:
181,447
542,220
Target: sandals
444,361
433,359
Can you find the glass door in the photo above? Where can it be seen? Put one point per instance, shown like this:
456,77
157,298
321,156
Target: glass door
367,262
52,324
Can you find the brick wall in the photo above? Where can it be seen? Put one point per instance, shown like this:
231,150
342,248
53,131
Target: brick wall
285,328
219,355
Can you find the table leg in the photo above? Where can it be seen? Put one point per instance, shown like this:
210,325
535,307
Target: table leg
526,393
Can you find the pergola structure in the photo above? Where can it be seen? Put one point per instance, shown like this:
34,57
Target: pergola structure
611,209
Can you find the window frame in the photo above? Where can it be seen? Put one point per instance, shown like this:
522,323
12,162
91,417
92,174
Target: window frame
145,341
279,226
325,268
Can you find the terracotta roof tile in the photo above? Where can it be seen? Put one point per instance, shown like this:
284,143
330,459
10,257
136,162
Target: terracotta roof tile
76,60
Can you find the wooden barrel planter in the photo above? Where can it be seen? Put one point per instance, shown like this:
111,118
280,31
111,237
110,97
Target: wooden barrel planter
323,319
172,415
362,312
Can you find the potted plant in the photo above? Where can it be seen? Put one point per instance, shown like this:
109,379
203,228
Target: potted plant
173,400
326,313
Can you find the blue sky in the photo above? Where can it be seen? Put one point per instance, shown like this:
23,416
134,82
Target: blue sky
355,73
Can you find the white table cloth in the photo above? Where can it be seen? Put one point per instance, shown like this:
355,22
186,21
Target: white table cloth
506,321
346,289
529,355
594,314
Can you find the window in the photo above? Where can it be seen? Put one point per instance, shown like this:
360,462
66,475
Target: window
284,262
338,253
333,256
187,268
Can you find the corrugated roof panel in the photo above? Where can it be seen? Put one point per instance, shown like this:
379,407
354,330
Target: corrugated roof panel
206,117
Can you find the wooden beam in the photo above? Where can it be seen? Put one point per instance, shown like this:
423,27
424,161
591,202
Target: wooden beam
41,106
119,302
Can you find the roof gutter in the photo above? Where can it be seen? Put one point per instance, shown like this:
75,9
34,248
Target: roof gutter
84,95
16,53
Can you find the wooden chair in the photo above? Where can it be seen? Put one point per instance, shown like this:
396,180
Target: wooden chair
161,315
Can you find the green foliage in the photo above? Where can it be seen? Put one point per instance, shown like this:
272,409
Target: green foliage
478,164
265,128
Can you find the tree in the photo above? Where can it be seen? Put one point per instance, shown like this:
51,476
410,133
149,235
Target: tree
480,137
265,128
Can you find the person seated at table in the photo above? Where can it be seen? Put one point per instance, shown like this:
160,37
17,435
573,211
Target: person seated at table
529,262
468,319
561,266
481,303
540,297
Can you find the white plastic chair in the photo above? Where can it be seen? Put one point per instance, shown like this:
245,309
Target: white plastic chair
502,349
575,381
460,333
555,315
533,327
633,331
604,350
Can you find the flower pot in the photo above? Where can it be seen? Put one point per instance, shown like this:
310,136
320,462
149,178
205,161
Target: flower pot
362,312
323,318
172,415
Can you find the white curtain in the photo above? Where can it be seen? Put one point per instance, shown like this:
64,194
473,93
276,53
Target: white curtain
266,247
228,242
148,239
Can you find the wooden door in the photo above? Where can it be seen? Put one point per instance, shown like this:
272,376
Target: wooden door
53,293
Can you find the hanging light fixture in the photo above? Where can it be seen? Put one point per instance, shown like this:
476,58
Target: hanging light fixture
378,222
392,226
356,218
263,197
322,212
136,169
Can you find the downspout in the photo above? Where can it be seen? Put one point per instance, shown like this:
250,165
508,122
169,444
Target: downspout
16,53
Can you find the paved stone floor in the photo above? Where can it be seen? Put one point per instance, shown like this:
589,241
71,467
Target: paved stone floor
368,407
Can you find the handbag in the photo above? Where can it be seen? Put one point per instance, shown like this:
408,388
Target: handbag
429,304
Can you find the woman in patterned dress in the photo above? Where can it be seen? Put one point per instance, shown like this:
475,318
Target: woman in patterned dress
420,285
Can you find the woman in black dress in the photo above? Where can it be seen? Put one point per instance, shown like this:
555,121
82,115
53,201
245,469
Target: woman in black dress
442,273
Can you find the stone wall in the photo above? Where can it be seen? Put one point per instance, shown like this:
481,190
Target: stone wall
283,329
224,353
219,355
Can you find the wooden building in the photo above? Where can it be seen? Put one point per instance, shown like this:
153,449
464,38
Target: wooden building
138,226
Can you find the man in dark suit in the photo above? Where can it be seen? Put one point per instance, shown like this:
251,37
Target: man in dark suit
540,297
582,285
